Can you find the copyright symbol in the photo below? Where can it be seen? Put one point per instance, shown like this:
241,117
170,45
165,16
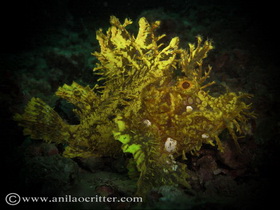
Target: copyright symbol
12,199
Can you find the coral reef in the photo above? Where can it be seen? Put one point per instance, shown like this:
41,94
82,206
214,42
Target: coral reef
154,103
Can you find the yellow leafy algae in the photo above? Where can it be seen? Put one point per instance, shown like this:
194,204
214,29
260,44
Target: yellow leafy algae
153,105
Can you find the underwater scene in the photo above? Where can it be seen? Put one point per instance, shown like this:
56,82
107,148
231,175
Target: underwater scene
140,105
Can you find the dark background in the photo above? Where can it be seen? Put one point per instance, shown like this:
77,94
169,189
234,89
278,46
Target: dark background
26,24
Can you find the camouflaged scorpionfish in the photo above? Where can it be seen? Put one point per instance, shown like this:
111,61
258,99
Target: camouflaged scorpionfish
153,105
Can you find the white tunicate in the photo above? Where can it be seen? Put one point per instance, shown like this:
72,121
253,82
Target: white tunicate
147,122
189,108
205,136
170,145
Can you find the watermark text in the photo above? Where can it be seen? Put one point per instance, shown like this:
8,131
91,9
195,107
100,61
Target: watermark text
14,199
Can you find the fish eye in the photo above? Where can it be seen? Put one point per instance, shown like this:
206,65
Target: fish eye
184,84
